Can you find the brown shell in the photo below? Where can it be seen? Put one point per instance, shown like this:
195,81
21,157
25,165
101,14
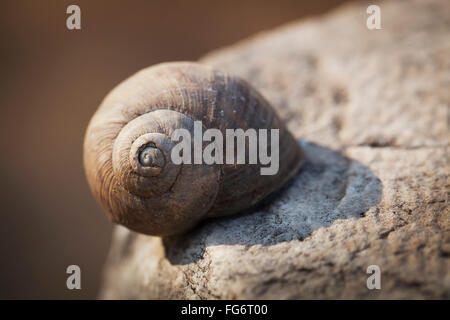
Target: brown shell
146,109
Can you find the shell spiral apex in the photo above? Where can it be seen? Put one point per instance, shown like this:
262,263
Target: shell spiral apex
163,111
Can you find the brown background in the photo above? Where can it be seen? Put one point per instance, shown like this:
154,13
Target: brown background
52,81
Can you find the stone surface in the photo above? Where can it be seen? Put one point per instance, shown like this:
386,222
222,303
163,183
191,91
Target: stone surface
372,111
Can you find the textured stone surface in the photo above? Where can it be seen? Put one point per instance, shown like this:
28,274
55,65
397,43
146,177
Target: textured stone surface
372,110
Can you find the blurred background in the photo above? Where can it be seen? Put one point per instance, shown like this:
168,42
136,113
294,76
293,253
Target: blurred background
52,81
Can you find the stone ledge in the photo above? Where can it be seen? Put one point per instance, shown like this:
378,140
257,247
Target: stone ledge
372,110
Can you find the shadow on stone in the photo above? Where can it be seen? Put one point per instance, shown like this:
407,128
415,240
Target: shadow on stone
329,186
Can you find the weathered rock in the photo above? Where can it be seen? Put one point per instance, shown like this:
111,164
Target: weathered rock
372,110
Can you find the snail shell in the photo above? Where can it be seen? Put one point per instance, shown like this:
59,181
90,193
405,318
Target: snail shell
129,139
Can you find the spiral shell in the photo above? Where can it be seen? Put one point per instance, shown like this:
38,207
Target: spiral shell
128,143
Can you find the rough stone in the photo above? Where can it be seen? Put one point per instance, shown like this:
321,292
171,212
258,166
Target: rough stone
372,111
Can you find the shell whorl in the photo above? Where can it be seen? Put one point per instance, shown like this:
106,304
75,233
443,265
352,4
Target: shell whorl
129,139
